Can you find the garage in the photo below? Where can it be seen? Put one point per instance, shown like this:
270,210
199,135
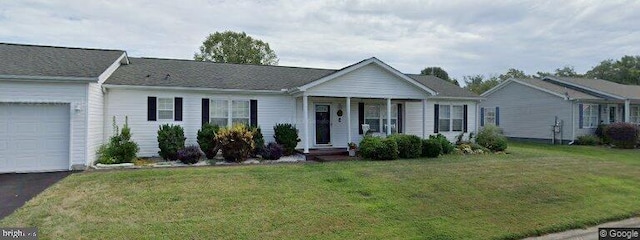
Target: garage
34,137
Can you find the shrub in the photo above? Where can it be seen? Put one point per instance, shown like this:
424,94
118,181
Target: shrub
170,140
447,147
601,133
286,135
273,151
236,142
258,140
377,148
409,146
591,140
190,154
491,137
431,148
622,135
120,148
207,140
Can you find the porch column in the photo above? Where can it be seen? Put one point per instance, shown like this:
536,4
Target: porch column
348,121
305,124
424,117
627,109
388,116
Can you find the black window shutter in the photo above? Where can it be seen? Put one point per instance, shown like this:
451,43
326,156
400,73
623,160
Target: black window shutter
253,105
580,116
151,109
360,116
177,114
436,116
497,116
205,110
481,117
465,120
399,122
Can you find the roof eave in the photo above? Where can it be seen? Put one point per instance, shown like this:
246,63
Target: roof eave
587,88
48,78
221,90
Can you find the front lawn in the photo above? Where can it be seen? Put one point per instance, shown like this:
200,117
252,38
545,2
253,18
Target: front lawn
533,190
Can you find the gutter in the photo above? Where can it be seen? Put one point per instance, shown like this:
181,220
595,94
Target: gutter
142,87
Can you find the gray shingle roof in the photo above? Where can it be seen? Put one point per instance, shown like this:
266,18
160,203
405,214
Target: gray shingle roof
626,91
47,61
443,87
558,89
189,73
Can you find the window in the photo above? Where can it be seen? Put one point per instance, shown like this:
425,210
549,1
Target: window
240,112
444,118
394,119
219,112
165,108
489,116
634,116
372,117
589,115
376,117
457,118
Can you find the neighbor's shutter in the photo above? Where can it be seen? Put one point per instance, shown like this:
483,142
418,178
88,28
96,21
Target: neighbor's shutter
436,116
151,109
253,105
399,121
580,113
177,115
465,120
360,116
599,112
623,114
481,117
205,110
497,116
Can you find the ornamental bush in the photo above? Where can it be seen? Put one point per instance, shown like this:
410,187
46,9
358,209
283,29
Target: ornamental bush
491,137
170,140
207,140
622,135
120,148
190,154
409,146
590,140
447,147
236,142
273,151
377,148
601,133
286,135
431,148
258,140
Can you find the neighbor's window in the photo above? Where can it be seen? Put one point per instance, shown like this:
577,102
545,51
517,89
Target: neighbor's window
240,111
589,115
219,112
457,118
444,119
489,116
165,108
635,115
372,117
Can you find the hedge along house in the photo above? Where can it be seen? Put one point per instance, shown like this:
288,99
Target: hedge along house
51,106
528,108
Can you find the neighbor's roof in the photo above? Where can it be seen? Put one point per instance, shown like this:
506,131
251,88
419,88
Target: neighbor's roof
574,94
48,61
622,90
443,87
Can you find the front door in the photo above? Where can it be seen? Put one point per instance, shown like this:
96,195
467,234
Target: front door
323,124
612,114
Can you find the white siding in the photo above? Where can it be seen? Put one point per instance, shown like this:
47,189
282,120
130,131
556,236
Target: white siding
272,109
414,119
370,81
75,94
95,128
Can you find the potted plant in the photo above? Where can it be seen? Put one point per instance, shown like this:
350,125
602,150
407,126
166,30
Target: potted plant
352,149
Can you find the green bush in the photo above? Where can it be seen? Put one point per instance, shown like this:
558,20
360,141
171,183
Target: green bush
491,137
170,140
286,135
207,140
622,135
378,148
236,142
120,148
409,146
601,133
590,140
447,147
431,148
258,140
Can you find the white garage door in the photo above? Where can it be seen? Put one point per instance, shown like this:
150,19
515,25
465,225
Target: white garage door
34,137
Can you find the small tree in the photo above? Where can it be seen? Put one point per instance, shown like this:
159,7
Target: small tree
170,140
286,135
207,140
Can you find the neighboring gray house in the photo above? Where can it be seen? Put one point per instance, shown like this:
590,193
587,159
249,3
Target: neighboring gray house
529,108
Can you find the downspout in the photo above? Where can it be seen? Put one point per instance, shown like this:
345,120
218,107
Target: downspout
573,123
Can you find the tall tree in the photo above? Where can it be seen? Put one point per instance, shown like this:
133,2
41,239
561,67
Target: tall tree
440,73
626,70
235,47
513,73
478,84
567,71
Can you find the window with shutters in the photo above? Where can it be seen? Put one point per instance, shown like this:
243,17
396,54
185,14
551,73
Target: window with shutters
228,112
376,116
219,112
589,115
457,118
165,108
490,116
240,111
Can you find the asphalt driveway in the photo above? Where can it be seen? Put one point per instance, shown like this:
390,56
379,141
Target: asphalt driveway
18,188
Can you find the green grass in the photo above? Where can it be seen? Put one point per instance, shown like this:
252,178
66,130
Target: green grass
534,190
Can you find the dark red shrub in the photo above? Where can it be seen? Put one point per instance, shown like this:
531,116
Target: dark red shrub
623,135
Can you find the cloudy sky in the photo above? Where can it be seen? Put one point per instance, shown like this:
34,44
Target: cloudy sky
464,37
